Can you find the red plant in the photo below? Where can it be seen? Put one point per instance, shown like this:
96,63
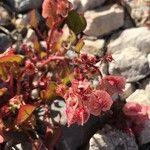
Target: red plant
34,76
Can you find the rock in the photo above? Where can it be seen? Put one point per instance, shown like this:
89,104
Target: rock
134,37
24,145
88,4
138,10
129,89
112,139
75,136
128,21
148,57
139,96
31,36
25,5
94,47
4,16
131,63
103,21
76,3
58,112
15,146
5,42
144,137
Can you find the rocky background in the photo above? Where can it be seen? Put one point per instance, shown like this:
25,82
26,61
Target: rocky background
123,26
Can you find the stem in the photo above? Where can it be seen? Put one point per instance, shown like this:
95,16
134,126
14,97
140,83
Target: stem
96,68
50,58
40,34
11,85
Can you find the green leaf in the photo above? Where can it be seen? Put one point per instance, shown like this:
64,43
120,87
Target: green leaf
76,22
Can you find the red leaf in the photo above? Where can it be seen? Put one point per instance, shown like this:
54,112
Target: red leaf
53,10
25,112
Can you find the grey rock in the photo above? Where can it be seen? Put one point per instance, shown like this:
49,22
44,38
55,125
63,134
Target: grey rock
5,42
4,16
134,37
88,4
58,112
139,96
76,3
25,5
112,139
139,11
18,146
131,63
105,20
76,136
94,47
129,89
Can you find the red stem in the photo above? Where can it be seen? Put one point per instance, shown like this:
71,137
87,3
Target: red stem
11,85
50,58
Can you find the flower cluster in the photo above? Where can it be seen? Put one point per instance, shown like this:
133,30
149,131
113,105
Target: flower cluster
83,100
138,113
33,76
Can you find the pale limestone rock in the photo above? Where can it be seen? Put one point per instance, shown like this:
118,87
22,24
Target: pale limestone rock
131,63
93,47
112,139
133,37
139,10
105,20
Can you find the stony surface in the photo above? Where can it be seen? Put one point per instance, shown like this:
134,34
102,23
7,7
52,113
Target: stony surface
111,139
139,11
134,37
129,89
4,16
94,47
22,6
140,96
98,21
75,136
58,112
131,63
87,4
5,42
108,24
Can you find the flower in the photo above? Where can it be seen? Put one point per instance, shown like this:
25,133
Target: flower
82,100
137,112
54,9
100,101
80,115
1,139
113,84
81,86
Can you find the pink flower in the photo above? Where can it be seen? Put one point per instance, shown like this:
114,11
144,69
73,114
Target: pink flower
137,112
113,84
61,89
80,115
75,111
80,86
1,139
100,101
